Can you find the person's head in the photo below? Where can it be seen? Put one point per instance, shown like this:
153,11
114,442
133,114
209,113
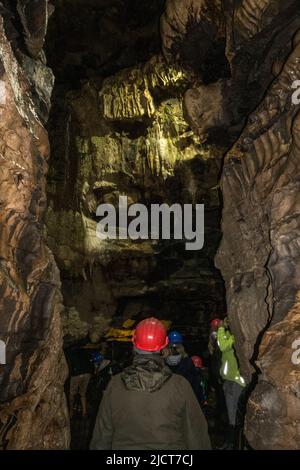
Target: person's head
94,336
96,357
175,338
175,354
215,324
198,363
150,336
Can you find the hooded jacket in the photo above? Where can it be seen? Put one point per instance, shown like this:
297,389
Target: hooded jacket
146,407
229,369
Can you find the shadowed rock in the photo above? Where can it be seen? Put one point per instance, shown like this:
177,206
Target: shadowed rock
33,410
259,251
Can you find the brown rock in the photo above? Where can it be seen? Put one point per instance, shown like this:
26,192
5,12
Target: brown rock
259,253
33,409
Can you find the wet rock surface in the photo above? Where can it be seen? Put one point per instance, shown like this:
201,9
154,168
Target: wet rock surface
259,248
32,380
260,187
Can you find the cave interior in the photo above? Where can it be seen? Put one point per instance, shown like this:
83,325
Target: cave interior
162,101
150,156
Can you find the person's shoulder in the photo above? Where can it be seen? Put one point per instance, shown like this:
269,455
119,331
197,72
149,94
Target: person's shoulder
116,377
180,381
221,330
113,384
116,380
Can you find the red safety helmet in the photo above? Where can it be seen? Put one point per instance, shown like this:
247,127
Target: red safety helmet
197,360
215,323
150,335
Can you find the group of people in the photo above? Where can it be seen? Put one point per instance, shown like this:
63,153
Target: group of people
157,401
148,406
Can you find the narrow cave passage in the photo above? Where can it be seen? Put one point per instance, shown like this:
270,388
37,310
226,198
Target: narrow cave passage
117,128
114,110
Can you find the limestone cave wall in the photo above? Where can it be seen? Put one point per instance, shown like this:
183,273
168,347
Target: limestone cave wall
250,105
33,413
260,184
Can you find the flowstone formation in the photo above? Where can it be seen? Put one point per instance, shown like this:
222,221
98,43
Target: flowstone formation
33,413
248,99
126,135
261,206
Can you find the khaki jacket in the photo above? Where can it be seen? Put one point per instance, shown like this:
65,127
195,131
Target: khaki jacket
147,407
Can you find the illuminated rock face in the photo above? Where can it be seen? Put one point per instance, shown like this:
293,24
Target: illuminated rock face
137,143
33,410
259,251
122,135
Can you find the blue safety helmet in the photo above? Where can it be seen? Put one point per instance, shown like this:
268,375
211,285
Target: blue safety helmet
96,357
175,338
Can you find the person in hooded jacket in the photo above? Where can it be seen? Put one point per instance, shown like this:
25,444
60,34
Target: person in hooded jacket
180,363
234,383
147,407
215,378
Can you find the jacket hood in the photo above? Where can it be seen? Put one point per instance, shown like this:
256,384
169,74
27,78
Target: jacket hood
147,372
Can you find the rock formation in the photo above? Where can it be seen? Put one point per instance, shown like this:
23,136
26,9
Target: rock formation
261,196
33,412
258,255
137,143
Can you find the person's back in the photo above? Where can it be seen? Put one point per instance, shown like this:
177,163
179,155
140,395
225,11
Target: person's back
148,407
229,369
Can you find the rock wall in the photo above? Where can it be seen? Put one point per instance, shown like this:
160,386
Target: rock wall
260,184
250,103
33,413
